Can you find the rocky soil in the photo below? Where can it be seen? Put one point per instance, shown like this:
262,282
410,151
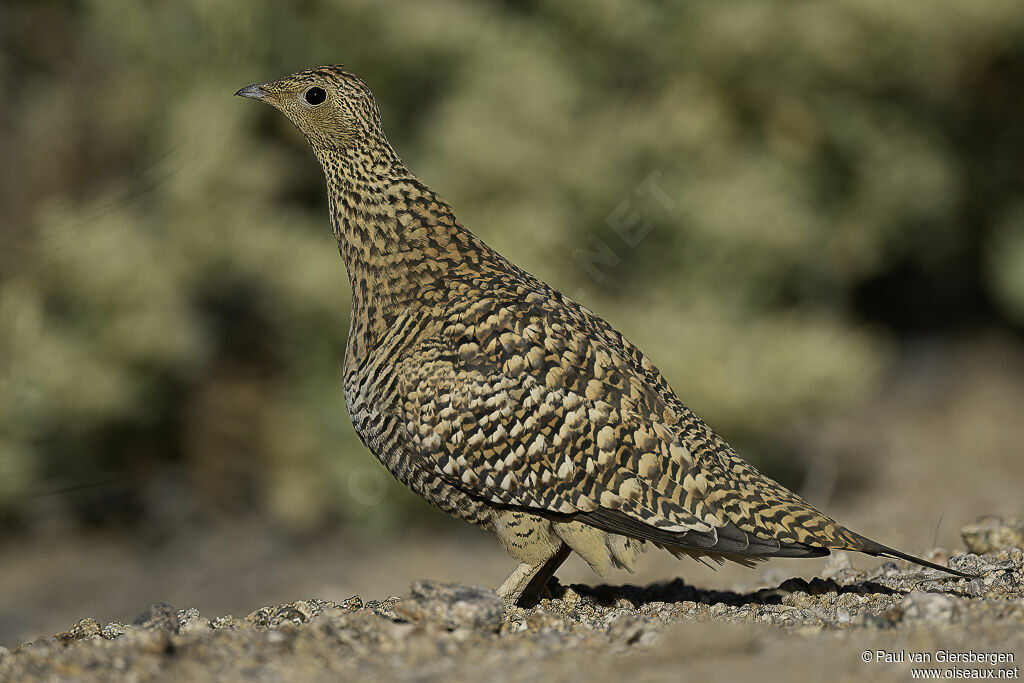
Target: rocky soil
823,628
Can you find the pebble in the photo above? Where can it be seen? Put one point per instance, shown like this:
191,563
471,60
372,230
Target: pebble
991,534
439,623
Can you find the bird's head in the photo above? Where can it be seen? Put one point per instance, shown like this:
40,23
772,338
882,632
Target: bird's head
333,108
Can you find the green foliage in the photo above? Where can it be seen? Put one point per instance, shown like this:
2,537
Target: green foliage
171,295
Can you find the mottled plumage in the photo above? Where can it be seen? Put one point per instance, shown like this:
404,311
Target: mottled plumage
504,402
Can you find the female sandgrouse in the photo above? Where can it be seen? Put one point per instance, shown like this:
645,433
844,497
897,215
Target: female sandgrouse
502,401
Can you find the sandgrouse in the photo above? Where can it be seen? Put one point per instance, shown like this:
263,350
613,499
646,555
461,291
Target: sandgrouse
504,402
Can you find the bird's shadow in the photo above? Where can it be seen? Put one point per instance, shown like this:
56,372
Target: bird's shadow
678,591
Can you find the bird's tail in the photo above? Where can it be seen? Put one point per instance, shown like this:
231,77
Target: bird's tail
866,545
784,514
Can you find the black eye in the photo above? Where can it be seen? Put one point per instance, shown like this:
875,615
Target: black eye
315,95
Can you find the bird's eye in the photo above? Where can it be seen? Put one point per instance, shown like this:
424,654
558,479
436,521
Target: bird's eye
315,95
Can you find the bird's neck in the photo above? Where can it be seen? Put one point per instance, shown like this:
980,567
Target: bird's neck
400,242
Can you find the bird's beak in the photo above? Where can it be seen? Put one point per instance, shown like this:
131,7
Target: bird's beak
254,91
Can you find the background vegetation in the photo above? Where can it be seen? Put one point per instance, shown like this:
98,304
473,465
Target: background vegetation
843,178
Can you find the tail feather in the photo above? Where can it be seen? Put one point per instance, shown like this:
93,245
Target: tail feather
869,547
733,544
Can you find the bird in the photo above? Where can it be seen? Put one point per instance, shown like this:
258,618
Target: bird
504,402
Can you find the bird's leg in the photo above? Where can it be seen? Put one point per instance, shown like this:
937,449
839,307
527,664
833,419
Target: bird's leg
538,585
515,584
525,583
530,539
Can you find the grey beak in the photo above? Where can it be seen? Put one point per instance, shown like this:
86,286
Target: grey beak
254,91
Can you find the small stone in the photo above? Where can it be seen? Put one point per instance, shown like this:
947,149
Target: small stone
352,604
226,621
290,613
571,598
159,617
991,534
302,608
113,630
799,599
187,615
452,606
383,608
837,562
85,628
195,627
937,555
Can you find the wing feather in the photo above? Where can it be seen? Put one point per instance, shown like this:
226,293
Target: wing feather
526,405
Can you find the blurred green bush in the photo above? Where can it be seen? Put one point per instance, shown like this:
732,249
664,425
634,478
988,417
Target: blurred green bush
173,309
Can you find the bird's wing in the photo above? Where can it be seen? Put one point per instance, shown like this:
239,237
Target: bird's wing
527,404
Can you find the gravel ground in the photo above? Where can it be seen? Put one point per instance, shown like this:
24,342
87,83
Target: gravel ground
821,628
